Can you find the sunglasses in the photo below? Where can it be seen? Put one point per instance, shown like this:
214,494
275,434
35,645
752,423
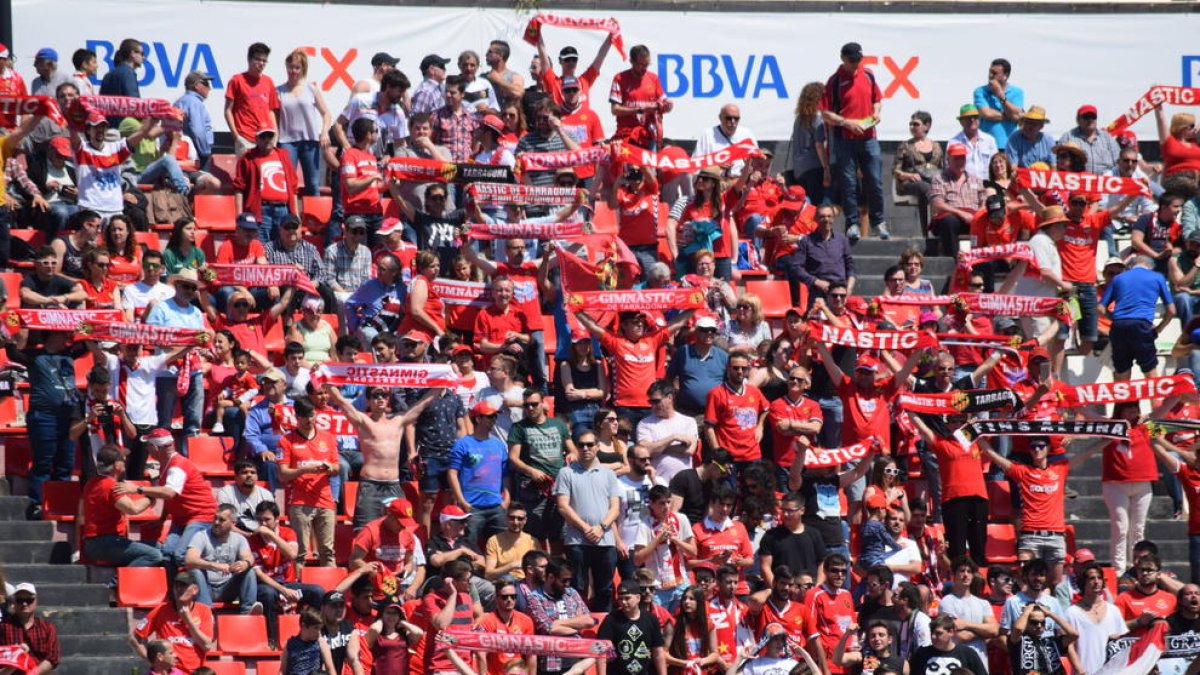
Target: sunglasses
797,379
890,471
655,401
586,445
435,198
358,230
532,404
293,227
241,304
152,266
380,394
508,596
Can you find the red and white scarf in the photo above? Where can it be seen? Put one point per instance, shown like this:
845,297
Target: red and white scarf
991,304
420,170
69,320
543,645
1155,96
817,458
661,299
408,375
143,334
32,105
915,299
128,106
277,276
1015,251
1081,182
870,339
533,30
631,154
526,230
1129,390
454,292
505,193
549,161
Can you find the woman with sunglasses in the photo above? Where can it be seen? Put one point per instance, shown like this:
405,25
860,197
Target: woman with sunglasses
584,384
102,291
917,161
885,479
706,223
610,449
747,328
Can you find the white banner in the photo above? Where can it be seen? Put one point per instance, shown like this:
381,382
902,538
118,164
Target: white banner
705,59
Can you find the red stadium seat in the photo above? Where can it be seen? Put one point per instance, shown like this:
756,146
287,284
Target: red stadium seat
267,667
316,212
604,219
325,577
60,500
149,239
223,167
349,499
141,587
227,667
17,456
215,213
83,365
208,453
999,501
243,635
289,626
1001,543
343,541
12,288
776,297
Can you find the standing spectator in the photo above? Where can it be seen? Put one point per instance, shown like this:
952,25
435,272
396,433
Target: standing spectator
964,495
86,64
179,312
944,654
663,542
808,162
852,101
1000,104
1127,167
1094,618
45,62
197,123
508,84
583,381
794,418
447,604
637,634
477,467
1029,145
265,184
267,422
437,427
735,414
98,164
1077,249
182,622
972,615
697,367
385,107
669,436
308,458
478,93
638,102
726,132
557,609
361,182
548,134
538,446
1034,591
955,196
588,497
251,101
11,84
721,540
303,121
453,124
1043,488
821,259
429,96
790,543
1177,143
1051,228
634,491
1099,145
104,530
122,79
980,144
831,611
222,564
1131,300
691,489
1151,235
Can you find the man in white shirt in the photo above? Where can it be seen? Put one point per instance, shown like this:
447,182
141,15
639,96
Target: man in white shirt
136,297
728,131
980,144
1051,228
974,620
669,436
907,561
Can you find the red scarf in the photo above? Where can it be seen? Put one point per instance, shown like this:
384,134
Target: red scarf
453,292
533,31
526,230
69,320
871,339
544,645
817,458
32,105
128,106
407,375
1130,390
525,195
916,299
252,275
143,334
1081,182
1154,97
631,154
990,304
635,301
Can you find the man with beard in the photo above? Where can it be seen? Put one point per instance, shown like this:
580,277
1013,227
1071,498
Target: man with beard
1186,618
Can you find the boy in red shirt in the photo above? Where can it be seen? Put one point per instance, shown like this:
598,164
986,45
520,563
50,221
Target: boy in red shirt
360,179
251,101
180,620
830,612
388,543
308,458
721,540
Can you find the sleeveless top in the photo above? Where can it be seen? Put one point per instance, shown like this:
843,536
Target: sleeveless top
317,343
299,119
72,264
391,655
433,309
589,379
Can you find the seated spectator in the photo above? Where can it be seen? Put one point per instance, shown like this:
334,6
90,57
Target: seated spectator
955,197
377,305
276,551
102,290
222,564
385,549
1033,646
451,544
245,494
104,530
918,160
1028,145
137,297
505,552
183,248
183,622
57,184
747,328
291,248
313,332
423,309
308,651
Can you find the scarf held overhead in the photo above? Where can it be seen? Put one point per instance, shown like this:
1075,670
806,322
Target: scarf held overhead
542,645
533,30
636,301
990,304
870,339
1129,390
818,458
422,170
549,161
631,154
1081,182
128,106
526,230
143,334
410,375
1105,428
524,195
1155,96
257,276
959,402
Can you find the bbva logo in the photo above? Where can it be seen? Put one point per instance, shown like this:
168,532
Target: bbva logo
709,74
172,64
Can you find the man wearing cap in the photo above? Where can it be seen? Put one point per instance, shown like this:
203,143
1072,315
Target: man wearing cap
980,144
222,565
568,61
1043,502
268,421
197,123
697,367
1029,144
344,639
98,164
728,131
954,198
1099,145
382,63
11,84
49,76
478,465
638,101
385,546
251,100
186,624
451,543
250,330
347,263
853,102
1000,104
1132,298
290,247
865,396
179,312
265,184
509,84
580,122
105,531
429,97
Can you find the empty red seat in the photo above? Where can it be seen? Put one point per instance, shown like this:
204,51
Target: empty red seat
325,577
142,587
215,213
148,239
343,541
267,667
208,453
999,501
289,626
316,213
227,667
349,499
776,296
60,500
223,168
243,635
1001,543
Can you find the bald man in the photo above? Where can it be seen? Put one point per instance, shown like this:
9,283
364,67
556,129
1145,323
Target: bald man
729,130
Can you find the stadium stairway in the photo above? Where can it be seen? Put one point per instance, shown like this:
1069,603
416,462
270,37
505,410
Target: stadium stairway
92,634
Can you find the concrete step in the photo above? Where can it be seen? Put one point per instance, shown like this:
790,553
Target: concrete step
46,574
89,620
23,551
892,247
96,645
100,665
25,530
13,508
73,595
1156,530
1174,552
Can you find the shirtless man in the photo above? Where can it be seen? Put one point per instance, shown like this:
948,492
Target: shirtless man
379,435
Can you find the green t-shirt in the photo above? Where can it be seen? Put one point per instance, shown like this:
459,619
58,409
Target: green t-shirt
543,446
174,261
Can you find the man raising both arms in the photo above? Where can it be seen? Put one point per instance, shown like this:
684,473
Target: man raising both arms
379,438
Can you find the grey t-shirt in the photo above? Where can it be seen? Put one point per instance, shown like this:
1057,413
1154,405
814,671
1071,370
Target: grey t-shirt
590,491
971,609
212,550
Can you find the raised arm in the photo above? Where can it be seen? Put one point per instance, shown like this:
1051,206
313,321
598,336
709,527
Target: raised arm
353,415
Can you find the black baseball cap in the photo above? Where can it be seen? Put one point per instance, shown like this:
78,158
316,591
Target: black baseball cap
433,60
852,51
383,58
568,53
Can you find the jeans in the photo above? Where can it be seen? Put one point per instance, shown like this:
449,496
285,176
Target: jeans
175,547
307,156
311,595
1109,236
849,156
56,218
930,470
193,406
724,268
5,235
583,417
166,166
1128,503
813,182
536,356
483,523
122,551
53,450
273,214
646,255
242,587
831,428
594,567
1186,304
268,470
1087,312
947,228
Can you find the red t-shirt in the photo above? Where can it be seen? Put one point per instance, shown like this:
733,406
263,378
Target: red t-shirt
270,559
493,325
1190,480
961,469
310,489
1041,496
1179,156
1133,602
857,95
164,623
735,416
1130,461
393,550
360,164
99,298
553,84
984,233
1077,248
254,103
792,616
583,125
100,514
726,620
866,413
829,614
634,91
635,366
525,290
435,658
233,253
12,84
733,538
784,447
638,213
795,222
251,333
193,502
433,308
518,624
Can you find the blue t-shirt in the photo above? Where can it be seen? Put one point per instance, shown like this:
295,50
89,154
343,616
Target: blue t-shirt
696,376
1003,129
481,466
1136,292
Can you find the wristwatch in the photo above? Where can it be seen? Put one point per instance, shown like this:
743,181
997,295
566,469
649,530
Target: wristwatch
605,528
141,490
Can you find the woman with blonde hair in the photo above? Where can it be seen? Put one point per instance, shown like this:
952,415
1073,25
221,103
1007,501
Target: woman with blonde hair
808,156
1177,142
303,121
746,328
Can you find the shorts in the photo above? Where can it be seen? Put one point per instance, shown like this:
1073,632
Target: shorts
1048,546
433,474
1133,342
371,495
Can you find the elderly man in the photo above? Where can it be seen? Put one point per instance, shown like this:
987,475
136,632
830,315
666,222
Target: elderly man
291,248
697,367
1131,300
197,123
821,258
45,62
22,626
1127,167
179,312
955,197
853,103
725,133
222,564
1028,145
267,422
348,262
478,94
375,306
1000,104
980,145
1099,145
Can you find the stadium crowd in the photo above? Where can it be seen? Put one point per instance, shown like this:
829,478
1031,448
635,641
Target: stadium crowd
658,477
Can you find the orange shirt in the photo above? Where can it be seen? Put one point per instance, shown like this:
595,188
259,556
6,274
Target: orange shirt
1077,248
518,624
164,623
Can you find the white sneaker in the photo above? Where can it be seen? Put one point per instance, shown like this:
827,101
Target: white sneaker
218,428
884,233
256,609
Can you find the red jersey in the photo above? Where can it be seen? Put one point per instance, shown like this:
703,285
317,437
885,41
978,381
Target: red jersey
434,309
360,164
11,84
239,385
164,623
829,613
805,410
792,616
309,489
735,416
517,624
1130,461
99,297
553,85
435,658
193,501
1133,602
855,99
1042,492
638,214
251,333
1189,479
254,102
494,326
584,126
794,222
266,177
961,469
727,619
636,91
100,514
393,550
525,290
233,253
636,366
866,413
984,233
1077,248
270,559
731,538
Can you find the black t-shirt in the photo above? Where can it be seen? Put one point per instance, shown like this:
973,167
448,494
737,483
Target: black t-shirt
338,641
873,611
871,662
439,544
687,484
822,386
440,235
1036,655
802,551
55,285
634,640
1177,625
817,490
930,661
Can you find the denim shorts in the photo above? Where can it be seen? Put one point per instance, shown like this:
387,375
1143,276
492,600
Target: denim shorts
1050,547
433,474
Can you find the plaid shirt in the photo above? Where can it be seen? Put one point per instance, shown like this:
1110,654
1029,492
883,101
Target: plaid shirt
41,637
966,193
348,270
303,254
545,610
455,132
428,97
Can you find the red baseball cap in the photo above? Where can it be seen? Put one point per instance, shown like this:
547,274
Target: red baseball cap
461,349
483,409
957,150
452,512
96,118
1039,353
494,122
402,509
390,225
875,500
1084,555
62,145
794,199
1087,109
867,362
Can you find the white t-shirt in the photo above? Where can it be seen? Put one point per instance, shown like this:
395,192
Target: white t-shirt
909,554
654,428
99,176
1046,254
713,138
769,665
971,609
140,400
1093,637
635,505
470,393
515,413
666,564
392,123
137,295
